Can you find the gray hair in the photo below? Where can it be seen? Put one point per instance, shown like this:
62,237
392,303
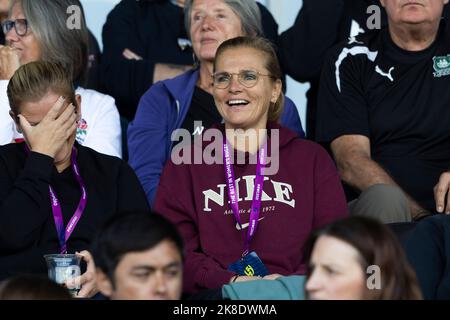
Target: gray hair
247,11
68,47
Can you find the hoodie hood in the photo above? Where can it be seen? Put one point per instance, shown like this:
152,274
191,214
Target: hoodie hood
286,139
286,135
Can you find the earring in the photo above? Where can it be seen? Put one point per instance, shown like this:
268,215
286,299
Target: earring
196,62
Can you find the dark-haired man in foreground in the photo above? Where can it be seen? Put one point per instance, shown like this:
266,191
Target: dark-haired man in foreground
139,256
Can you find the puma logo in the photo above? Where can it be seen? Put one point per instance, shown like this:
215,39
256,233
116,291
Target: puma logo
245,225
384,74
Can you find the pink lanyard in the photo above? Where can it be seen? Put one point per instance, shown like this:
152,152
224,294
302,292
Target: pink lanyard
65,233
257,192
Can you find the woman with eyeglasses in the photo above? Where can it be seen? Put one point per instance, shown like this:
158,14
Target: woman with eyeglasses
43,30
186,102
246,212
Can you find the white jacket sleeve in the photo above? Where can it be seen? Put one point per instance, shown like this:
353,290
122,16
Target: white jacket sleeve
101,128
7,125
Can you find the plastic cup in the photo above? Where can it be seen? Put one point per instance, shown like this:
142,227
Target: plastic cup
63,267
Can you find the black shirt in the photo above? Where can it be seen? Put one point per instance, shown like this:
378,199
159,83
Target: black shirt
150,29
203,108
27,228
399,100
319,26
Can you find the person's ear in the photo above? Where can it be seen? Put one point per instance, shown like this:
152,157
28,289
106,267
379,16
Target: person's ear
104,283
16,121
276,90
78,106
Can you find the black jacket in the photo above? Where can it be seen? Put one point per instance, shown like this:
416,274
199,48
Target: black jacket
27,228
318,27
151,30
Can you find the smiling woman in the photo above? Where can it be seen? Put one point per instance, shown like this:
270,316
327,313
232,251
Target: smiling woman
285,204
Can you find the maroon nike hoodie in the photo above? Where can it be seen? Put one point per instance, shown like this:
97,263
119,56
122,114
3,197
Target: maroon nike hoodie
303,195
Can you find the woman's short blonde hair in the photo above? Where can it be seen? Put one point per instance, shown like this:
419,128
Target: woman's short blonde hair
32,81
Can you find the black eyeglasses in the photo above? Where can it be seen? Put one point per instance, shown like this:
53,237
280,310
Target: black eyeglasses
20,25
248,78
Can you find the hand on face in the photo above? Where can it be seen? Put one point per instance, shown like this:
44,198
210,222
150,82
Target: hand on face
212,22
49,136
9,62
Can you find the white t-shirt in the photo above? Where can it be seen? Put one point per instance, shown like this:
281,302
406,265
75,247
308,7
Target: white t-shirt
99,127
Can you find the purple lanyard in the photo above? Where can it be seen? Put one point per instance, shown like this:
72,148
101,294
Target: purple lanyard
257,192
65,233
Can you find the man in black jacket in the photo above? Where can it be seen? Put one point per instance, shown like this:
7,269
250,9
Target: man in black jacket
318,27
383,108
